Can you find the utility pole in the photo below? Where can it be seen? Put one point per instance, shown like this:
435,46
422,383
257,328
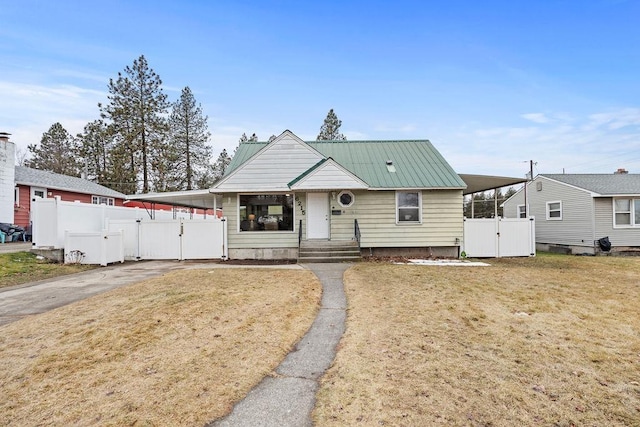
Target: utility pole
526,184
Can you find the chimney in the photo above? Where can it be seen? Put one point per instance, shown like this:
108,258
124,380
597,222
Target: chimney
621,171
7,178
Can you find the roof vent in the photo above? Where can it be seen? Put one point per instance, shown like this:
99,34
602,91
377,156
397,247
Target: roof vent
390,166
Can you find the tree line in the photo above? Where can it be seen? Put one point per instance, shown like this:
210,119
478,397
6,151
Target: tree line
142,142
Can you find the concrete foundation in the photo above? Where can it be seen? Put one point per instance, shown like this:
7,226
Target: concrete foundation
51,254
418,252
264,253
587,250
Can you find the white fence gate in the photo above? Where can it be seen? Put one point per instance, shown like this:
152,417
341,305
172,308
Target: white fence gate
106,234
179,239
499,237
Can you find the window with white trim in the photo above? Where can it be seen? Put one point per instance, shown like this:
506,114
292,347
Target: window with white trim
16,196
101,200
554,211
626,212
408,207
522,212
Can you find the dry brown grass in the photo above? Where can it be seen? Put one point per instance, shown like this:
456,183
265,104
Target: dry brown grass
549,341
176,350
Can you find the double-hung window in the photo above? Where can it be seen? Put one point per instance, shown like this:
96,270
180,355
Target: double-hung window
554,211
101,200
522,212
408,207
626,212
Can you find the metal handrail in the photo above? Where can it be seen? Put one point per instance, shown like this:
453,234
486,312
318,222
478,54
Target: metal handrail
356,231
299,234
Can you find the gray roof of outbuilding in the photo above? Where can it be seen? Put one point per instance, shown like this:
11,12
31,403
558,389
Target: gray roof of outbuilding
46,179
602,184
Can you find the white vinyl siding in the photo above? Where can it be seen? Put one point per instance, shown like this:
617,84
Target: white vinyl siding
619,236
272,169
577,225
328,176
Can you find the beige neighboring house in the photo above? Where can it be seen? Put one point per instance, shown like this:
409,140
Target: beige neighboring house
392,197
574,211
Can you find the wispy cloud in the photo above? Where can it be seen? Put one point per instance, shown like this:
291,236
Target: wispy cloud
594,143
536,117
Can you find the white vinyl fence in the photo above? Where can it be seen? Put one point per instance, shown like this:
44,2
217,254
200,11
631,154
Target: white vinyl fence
499,237
100,234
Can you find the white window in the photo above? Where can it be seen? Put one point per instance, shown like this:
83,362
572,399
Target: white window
522,212
101,200
626,212
408,207
38,192
16,196
554,211
346,198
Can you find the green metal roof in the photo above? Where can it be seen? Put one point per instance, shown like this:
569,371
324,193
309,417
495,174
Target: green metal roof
417,163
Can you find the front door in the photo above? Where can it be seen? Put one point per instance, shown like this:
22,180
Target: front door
317,215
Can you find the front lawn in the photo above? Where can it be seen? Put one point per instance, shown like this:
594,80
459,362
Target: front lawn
550,341
176,350
22,267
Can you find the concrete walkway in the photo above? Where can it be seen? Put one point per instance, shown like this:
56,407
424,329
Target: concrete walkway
284,399
288,397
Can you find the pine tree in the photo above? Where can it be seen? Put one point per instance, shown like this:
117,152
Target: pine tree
58,152
330,129
220,166
136,110
189,139
95,146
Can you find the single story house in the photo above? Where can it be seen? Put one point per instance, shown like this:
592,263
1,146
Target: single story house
19,185
31,183
393,197
574,211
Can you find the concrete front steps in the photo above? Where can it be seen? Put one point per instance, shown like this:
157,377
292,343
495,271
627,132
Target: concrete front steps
329,251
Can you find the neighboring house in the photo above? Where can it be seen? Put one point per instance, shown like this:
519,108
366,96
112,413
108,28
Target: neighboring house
574,211
403,195
31,183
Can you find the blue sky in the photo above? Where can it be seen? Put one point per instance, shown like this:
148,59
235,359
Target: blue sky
492,84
